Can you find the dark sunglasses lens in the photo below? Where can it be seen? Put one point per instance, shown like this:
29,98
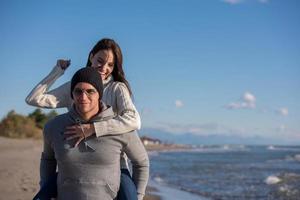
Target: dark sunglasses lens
90,91
77,92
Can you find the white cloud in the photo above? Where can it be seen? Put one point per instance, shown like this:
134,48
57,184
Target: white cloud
283,111
178,103
234,106
248,97
233,1
248,101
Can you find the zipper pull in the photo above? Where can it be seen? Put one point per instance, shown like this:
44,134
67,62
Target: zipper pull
84,138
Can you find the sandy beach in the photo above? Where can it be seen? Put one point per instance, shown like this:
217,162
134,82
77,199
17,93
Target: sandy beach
19,169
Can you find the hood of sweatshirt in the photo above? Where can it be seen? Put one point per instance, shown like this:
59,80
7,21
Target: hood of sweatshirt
90,143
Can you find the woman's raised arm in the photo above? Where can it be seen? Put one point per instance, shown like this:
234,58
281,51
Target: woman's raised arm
40,95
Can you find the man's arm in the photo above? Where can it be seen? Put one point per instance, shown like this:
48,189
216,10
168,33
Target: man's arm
48,161
136,152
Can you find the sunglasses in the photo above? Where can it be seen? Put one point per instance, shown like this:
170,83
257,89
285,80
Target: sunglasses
89,92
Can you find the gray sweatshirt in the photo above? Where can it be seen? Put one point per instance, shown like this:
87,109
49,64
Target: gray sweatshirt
91,171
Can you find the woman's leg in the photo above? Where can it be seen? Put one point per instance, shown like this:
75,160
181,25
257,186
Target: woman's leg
48,191
127,189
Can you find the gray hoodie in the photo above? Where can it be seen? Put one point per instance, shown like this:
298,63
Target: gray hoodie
91,171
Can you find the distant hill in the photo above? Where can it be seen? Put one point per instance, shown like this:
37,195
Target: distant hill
189,138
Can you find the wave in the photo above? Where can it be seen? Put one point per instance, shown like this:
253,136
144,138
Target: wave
271,147
282,179
297,157
281,148
218,148
293,158
286,188
158,179
206,149
289,158
174,192
270,180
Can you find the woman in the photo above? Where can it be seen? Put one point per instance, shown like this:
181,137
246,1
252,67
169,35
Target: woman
91,170
106,57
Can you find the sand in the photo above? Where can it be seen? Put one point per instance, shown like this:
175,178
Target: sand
19,169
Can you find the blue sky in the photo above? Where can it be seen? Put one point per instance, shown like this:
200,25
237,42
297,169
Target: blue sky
227,67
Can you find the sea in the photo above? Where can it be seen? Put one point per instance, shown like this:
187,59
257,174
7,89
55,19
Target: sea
227,172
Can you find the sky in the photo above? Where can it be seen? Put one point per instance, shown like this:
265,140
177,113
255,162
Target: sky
228,67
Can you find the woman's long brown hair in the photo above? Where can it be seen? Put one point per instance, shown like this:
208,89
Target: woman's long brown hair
118,72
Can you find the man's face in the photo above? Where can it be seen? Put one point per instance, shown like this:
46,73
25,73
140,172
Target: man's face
86,98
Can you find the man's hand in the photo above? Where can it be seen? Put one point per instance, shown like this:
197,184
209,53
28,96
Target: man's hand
63,64
75,131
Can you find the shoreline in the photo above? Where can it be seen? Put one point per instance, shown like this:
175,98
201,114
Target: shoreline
158,191
165,192
161,190
151,193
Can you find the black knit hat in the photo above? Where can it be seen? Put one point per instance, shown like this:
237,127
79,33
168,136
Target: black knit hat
87,75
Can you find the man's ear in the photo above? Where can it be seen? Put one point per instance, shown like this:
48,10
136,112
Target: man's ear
100,105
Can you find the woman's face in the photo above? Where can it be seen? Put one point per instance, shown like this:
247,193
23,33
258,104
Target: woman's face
103,61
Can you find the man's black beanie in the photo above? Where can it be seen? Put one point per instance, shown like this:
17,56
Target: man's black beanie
88,75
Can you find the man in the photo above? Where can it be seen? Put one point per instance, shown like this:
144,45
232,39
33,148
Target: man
90,170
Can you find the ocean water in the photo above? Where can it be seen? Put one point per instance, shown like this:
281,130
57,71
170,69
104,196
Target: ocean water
231,172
